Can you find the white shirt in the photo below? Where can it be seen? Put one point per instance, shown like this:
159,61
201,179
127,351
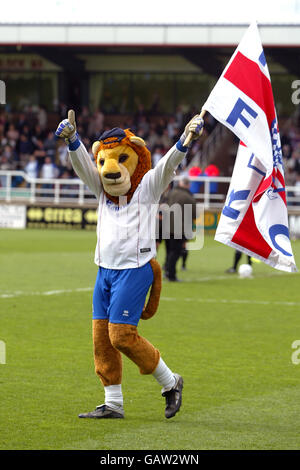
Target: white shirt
48,171
155,158
32,169
126,234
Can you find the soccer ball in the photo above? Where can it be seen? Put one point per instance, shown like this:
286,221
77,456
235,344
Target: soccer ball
245,270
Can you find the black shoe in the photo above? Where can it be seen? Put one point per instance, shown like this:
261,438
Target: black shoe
103,411
173,279
230,271
173,397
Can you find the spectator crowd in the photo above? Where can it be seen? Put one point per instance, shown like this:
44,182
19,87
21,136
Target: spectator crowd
290,142
28,143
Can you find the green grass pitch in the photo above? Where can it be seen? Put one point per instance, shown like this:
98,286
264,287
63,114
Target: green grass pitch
230,339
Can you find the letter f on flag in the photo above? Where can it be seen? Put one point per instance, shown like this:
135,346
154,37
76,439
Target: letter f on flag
242,100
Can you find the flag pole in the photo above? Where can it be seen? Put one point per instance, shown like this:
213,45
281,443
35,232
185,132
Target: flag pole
190,136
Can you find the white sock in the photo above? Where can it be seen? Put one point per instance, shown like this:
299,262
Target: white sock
114,396
164,376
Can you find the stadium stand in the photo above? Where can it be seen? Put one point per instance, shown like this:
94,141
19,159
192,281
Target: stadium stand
27,138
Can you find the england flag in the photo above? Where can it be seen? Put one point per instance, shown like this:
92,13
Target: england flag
254,219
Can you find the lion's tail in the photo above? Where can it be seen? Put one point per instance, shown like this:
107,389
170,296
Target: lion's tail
153,300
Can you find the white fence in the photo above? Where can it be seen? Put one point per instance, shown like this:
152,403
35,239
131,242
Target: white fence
73,191
56,191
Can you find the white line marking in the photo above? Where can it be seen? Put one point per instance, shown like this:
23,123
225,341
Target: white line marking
7,295
49,292
57,292
165,299
231,301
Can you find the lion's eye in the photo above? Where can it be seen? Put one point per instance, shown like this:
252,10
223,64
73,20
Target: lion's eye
101,161
123,158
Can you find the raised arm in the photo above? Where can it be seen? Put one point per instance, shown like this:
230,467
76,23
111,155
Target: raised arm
160,177
80,158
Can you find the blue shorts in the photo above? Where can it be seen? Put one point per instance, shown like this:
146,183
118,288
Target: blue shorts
120,294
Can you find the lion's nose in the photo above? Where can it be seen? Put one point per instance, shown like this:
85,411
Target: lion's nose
113,176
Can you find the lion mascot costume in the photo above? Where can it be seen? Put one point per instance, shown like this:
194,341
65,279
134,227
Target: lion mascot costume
128,191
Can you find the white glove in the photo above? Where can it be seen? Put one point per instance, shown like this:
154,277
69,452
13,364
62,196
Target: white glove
195,126
67,128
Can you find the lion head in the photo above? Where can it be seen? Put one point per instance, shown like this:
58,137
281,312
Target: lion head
122,160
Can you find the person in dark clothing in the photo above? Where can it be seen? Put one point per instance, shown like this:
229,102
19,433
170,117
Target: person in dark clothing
159,216
180,200
184,255
236,260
